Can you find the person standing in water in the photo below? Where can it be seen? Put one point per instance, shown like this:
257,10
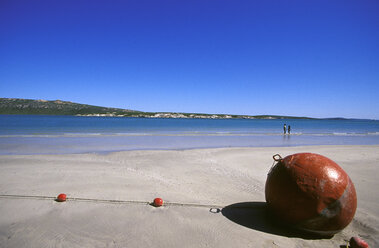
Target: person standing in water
289,129
284,128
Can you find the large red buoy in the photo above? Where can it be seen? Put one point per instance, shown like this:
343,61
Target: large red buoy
311,193
61,198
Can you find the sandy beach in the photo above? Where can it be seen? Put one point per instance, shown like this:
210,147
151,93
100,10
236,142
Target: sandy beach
108,196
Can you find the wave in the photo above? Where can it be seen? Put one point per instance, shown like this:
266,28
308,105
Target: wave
194,133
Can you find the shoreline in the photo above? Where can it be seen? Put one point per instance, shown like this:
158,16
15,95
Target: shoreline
105,153
107,144
205,177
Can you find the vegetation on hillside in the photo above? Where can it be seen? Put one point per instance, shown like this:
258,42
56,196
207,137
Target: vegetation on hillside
58,107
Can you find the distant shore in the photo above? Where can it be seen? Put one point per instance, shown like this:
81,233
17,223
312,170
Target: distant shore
19,106
59,107
182,115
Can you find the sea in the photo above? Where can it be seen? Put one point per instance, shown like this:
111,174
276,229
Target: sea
36,134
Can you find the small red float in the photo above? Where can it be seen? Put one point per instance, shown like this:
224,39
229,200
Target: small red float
311,193
357,242
158,202
61,198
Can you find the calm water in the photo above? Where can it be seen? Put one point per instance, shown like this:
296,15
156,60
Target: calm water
25,134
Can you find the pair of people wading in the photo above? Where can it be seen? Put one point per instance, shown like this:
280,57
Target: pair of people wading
285,129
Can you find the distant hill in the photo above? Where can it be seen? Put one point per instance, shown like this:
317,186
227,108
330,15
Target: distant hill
58,107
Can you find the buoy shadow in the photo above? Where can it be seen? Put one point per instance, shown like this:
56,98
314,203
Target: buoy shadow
255,215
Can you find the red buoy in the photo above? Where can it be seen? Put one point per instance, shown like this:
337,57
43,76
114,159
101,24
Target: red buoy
357,242
61,198
311,193
158,202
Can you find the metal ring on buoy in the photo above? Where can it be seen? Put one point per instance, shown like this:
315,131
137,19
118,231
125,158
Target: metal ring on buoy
277,157
215,210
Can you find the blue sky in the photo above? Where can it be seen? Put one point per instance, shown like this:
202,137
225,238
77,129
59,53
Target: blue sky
300,58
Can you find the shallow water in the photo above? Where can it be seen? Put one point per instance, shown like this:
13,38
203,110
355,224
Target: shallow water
28,134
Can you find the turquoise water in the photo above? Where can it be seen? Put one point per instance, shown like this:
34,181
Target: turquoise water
28,134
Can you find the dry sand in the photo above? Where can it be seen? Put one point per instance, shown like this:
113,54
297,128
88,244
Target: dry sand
209,177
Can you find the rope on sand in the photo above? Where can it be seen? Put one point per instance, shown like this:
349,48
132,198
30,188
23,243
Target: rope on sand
175,204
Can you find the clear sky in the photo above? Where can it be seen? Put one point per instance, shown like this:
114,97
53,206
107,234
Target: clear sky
303,58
